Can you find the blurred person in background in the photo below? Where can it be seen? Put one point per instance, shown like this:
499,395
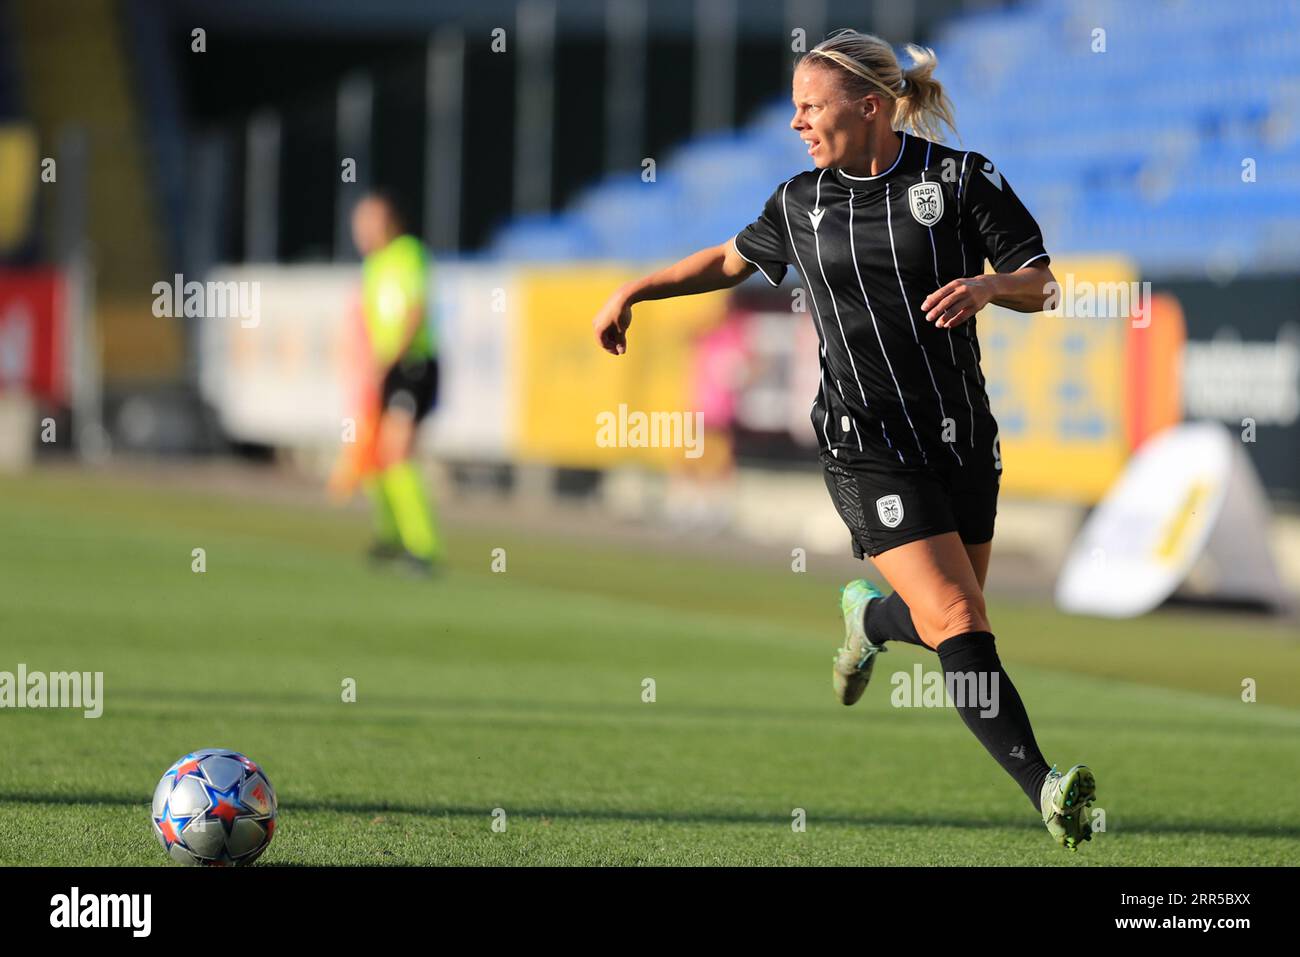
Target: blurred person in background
701,490
890,232
397,362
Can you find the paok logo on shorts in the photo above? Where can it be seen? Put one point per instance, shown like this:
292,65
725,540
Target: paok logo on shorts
890,510
926,201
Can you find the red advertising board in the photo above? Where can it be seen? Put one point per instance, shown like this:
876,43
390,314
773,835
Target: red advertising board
32,334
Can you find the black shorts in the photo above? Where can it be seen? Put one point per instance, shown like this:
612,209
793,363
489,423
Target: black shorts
886,504
412,387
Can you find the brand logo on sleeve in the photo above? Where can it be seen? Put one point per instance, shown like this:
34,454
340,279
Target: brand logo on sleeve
926,201
991,174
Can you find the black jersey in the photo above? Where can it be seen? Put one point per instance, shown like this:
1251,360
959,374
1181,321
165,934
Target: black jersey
870,249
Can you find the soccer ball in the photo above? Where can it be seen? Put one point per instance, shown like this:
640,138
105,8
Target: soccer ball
214,808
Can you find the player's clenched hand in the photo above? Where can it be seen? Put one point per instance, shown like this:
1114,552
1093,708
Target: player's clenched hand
957,301
610,325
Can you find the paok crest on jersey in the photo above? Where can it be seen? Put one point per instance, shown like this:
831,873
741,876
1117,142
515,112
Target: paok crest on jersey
926,202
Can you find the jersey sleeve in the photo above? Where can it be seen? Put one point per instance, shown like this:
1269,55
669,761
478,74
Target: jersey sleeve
996,220
763,242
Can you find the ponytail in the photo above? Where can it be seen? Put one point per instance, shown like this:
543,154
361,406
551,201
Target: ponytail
870,66
923,106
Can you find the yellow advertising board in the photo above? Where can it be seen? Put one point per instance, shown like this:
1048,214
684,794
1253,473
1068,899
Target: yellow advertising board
1056,382
584,408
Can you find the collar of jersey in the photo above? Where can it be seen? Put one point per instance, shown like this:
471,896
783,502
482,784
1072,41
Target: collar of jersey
848,179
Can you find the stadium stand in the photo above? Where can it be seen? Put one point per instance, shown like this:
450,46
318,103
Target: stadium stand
1149,161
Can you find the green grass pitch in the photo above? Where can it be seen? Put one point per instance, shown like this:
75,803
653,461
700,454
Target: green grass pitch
522,691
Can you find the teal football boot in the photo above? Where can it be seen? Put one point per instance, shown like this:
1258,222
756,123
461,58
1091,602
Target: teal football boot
854,662
1064,801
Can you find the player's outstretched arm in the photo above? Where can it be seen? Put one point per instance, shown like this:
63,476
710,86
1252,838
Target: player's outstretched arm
717,267
1025,290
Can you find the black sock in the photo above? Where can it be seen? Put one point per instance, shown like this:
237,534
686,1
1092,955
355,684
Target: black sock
889,619
991,707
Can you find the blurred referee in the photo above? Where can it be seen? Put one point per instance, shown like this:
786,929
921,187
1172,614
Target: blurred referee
404,366
890,232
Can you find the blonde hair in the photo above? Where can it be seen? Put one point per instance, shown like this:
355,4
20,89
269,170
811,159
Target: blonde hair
920,104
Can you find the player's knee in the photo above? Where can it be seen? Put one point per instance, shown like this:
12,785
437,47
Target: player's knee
954,613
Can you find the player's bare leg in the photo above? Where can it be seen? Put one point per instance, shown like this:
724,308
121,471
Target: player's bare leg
936,579
979,556
889,618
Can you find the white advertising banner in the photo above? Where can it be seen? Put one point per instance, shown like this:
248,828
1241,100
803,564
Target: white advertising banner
477,397
276,376
281,374
1188,510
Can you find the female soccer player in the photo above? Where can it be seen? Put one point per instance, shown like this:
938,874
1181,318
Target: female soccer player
890,232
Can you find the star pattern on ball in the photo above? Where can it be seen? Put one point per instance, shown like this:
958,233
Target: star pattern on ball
171,826
189,766
225,806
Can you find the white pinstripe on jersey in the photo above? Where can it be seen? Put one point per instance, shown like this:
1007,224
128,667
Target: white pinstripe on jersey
889,365
816,312
889,222
938,284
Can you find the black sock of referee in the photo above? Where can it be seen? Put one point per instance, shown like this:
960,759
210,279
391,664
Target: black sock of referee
991,707
889,619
